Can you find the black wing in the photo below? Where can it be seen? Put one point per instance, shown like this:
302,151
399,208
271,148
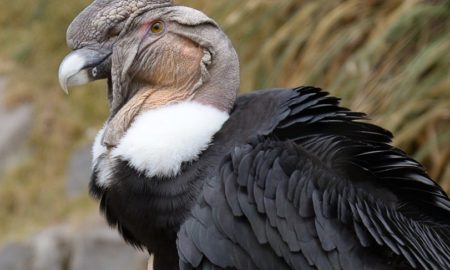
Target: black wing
322,191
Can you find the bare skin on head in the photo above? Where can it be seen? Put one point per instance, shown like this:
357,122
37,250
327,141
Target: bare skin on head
153,55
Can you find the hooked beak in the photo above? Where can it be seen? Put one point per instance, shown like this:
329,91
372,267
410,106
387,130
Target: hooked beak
84,65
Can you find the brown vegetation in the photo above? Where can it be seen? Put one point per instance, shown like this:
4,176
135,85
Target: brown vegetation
389,58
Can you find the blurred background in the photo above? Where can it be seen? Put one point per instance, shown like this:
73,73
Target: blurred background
389,58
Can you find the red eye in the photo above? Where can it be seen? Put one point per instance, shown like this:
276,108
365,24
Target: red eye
157,27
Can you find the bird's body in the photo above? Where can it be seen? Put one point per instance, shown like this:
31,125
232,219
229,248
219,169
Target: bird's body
277,179
296,133
168,202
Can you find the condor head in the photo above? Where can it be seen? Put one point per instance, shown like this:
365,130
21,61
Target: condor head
152,53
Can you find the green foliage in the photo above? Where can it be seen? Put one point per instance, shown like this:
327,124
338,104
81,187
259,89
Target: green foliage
389,58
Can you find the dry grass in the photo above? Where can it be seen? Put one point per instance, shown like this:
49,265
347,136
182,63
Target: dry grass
389,58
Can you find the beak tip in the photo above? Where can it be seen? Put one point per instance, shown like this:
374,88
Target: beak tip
65,90
64,86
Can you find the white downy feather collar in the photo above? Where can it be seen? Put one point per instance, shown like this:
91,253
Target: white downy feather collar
160,140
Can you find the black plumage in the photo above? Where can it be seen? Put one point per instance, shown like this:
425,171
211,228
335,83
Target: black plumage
291,181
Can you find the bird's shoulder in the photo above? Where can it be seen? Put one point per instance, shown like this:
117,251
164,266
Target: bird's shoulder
343,140
284,111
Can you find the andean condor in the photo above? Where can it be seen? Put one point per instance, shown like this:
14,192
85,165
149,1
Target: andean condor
276,179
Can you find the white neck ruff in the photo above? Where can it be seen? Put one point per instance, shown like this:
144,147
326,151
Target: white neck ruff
160,140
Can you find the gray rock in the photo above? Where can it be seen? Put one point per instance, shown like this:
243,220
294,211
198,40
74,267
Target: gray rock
16,124
79,172
51,249
103,249
90,245
16,256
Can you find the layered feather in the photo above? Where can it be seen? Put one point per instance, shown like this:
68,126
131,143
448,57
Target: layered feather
322,191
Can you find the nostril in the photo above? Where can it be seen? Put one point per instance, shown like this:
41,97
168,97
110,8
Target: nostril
115,30
94,72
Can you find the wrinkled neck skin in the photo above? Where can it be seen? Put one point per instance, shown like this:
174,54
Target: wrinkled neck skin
144,100
222,87
213,80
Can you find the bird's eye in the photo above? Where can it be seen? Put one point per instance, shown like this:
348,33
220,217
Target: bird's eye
157,27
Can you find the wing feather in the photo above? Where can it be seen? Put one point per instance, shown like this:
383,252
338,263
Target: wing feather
323,190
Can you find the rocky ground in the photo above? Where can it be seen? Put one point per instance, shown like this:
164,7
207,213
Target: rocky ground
15,126
90,244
